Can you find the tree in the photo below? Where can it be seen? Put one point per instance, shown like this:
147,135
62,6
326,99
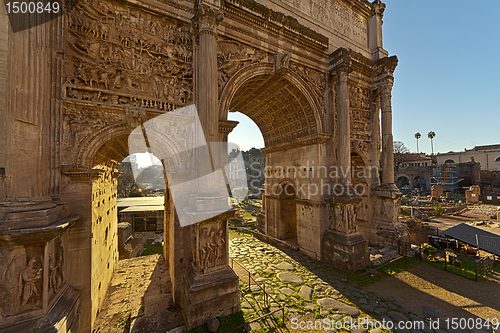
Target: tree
431,135
399,150
418,136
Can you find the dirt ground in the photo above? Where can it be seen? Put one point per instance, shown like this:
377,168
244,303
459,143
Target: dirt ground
452,295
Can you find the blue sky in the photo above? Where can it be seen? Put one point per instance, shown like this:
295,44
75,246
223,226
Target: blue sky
447,79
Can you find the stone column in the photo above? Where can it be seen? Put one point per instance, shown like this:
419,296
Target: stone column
343,125
376,139
385,229
343,246
209,287
387,138
206,21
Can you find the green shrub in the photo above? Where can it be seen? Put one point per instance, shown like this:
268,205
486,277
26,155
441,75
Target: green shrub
429,250
438,210
405,211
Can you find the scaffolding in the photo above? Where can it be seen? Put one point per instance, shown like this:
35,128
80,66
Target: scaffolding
447,175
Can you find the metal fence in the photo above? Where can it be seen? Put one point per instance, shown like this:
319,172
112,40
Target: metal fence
263,313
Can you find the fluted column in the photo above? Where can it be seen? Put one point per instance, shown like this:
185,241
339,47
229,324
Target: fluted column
206,21
375,150
387,138
343,124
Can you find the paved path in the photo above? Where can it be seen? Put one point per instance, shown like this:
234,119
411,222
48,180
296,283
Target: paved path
311,290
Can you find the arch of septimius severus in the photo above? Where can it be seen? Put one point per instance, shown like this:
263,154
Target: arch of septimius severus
313,75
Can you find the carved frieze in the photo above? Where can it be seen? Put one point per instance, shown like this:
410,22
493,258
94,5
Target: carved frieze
119,53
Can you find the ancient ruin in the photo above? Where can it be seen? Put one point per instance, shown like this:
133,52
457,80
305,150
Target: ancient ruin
312,75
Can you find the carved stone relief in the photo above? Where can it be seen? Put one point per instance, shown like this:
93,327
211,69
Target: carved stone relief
336,15
208,245
232,56
56,265
114,53
21,279
359,100
281,63
343,219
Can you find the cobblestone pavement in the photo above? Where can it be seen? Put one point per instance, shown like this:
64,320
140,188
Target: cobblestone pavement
311,290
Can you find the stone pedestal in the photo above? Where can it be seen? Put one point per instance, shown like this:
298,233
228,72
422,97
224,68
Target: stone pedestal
343,246
35,291
210,286
347,252
209,295
386,230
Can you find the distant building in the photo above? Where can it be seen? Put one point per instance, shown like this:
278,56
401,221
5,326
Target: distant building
488,156
414,160
143,213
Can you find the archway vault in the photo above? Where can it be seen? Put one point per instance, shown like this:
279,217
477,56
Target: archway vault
280,105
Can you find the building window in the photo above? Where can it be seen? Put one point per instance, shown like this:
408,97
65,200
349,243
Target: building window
449,161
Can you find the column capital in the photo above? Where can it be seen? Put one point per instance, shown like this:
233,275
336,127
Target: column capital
206,19
342,72
385,89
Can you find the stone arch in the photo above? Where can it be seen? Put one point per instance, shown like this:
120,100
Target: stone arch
104,139
419,182
403,180
295,88
449,161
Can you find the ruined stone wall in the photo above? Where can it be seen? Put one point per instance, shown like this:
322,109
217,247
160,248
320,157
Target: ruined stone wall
104,235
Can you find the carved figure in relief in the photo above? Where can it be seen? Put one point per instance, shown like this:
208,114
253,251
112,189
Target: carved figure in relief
204,248
27,280
212,249
351,218
339,218
193,243
220,241
55,276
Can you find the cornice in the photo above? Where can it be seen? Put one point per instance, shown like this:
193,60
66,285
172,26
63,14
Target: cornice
275,22
226,126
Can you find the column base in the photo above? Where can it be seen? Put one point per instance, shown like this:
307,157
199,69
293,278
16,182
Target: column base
209,295
385,229
347,252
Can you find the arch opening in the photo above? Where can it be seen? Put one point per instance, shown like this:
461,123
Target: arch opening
277,106
403,183
419,183
288,212
449,161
